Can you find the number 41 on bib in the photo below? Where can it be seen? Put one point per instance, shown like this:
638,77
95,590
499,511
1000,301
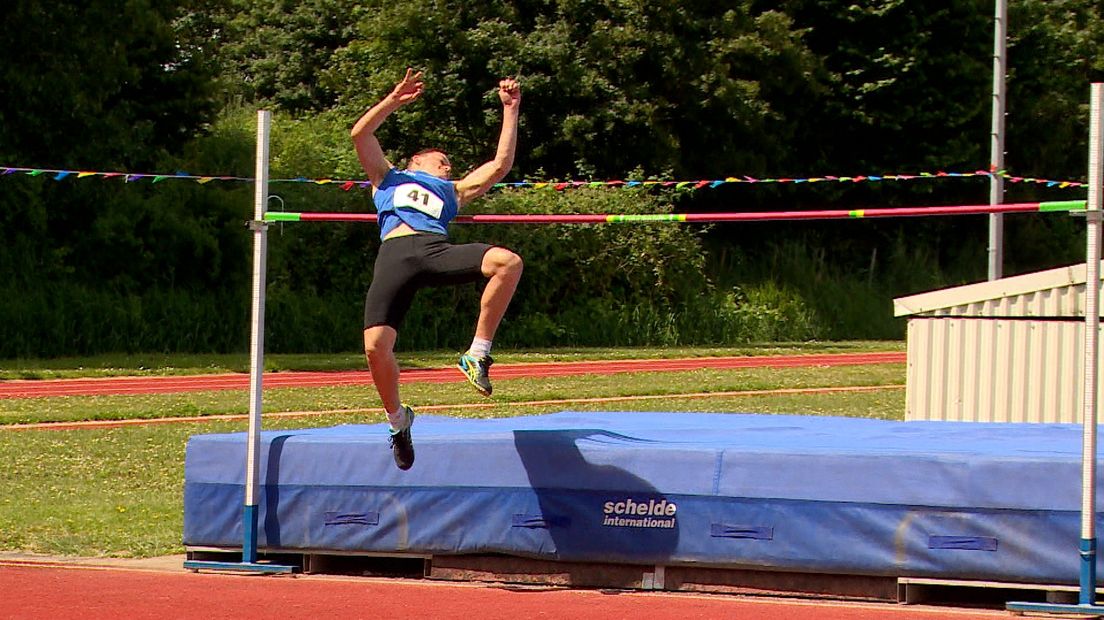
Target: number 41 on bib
417,197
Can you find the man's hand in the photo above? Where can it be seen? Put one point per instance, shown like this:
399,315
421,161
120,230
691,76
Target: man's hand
368,148
509,91
409,89
479,181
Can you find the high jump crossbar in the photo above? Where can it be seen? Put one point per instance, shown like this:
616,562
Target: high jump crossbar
598,218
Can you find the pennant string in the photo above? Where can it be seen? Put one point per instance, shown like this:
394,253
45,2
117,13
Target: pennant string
684,185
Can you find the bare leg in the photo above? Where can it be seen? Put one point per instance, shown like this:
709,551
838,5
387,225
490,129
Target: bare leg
379,349
503,268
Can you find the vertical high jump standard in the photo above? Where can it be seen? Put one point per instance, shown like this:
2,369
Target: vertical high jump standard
1086,605
259,227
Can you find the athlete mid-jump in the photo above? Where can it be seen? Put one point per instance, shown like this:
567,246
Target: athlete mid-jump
415,207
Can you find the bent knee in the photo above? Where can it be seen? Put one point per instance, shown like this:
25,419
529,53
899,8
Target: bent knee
504,263
514,264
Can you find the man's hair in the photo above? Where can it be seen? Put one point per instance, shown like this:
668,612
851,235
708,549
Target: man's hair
429,150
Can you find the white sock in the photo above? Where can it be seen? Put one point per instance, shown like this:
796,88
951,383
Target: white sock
397,418
479,348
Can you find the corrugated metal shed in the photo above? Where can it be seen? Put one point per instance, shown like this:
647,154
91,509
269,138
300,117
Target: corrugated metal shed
1010,350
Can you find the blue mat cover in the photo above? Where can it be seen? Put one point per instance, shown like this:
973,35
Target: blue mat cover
814,494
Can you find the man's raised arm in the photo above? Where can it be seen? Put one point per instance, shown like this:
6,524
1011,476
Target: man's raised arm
480,180
368,148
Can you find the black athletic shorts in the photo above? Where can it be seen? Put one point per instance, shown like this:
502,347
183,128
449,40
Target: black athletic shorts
406,264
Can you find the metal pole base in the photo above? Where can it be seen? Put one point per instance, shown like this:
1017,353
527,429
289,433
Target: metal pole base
240,567
1080,611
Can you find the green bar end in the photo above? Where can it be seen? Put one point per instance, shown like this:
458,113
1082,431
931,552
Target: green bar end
280,216
1063,205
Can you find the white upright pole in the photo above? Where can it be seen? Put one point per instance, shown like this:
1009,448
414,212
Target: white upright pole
996,146
256,367
1092,356
256,354
1087,606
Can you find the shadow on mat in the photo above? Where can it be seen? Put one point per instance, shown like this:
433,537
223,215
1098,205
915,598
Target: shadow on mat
594,511
271,493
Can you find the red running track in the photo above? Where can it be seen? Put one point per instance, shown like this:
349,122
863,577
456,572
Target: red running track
50,591
197,383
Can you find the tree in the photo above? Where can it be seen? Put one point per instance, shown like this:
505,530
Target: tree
908,83
96,83
1053,56
610,86
274,52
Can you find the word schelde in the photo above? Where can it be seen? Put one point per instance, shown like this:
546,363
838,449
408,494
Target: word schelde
638,513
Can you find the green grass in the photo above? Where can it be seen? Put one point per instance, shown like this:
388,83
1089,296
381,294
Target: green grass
95,493
119,492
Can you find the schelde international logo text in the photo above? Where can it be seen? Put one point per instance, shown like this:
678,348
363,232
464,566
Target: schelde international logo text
639,513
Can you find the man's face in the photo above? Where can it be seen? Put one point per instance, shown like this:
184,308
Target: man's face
433,162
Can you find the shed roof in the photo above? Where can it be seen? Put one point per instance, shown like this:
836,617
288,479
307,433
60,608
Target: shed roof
1056,292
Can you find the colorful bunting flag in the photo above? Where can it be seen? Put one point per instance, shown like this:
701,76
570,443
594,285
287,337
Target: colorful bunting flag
687,185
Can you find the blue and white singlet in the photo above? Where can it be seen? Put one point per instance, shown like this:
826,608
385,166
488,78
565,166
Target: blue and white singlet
420,200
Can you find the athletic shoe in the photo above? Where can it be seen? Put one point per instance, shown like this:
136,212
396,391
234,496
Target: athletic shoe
402,446
475,369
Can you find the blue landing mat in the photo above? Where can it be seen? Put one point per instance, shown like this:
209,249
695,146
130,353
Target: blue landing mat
812,494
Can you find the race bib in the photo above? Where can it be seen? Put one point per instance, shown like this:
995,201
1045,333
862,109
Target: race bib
417,197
